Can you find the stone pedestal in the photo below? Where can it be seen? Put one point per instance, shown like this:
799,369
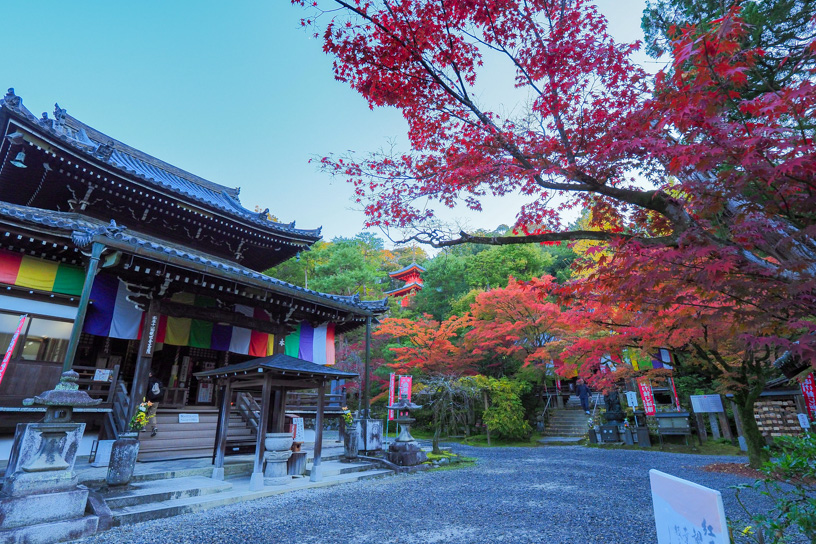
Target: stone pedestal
370,433
643,437
123,459
275,467
406,454
351,443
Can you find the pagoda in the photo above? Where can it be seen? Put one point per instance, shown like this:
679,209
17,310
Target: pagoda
413,283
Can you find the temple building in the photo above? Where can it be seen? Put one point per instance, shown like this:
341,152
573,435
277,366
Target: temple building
413,283
113,263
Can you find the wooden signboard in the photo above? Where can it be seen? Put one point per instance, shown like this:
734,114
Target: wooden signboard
686,512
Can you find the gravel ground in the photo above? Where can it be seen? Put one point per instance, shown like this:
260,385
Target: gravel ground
557,494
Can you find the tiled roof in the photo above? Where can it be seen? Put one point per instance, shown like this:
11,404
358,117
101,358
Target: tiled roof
280,364
406,269
161,175
121,236
406,287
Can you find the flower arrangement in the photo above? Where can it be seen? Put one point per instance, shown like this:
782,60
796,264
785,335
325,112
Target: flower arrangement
140,418
347,417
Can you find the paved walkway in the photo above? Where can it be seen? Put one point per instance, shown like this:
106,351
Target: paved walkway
554,494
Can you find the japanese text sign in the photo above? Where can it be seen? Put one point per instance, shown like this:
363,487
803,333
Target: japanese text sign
647,396
809,391
686,512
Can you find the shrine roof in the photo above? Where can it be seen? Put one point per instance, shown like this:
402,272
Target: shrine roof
280,364
96,146
403,271
84,229
405,288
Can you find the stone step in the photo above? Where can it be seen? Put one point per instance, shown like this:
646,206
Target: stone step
96,479
164,490
240,492
333,468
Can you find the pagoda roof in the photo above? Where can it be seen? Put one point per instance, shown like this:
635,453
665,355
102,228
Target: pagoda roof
93,144
83,230
403,271
405,288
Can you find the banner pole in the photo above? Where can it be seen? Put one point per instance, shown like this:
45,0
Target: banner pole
12,344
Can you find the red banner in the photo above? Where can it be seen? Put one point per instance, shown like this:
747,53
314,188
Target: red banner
809,391
391,397
676,398
10,349
405,386
647,396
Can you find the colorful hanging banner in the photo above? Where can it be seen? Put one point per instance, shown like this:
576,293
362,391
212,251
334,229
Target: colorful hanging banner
648,397
314,344
111,314
10,349
809,392
405,383
32,273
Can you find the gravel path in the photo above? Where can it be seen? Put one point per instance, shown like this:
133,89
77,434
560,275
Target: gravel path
564,494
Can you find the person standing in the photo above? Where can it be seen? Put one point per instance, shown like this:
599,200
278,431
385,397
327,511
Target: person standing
155,392
583,394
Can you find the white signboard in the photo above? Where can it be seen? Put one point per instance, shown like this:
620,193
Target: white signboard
631,399
702,404
102,375
205,392
804,422
297,432
686,512
188,418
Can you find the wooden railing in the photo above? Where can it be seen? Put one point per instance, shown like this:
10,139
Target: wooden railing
102,389
307,402
116,420
249,409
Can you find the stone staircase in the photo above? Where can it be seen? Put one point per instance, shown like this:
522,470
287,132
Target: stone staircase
568,422
180,492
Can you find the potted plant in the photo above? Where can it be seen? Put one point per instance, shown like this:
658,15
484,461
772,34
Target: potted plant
351,443
126,447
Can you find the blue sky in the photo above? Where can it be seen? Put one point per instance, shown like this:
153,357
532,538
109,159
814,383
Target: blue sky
235,92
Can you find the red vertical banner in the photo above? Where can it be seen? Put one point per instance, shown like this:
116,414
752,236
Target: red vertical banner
391,396
10,349
405,386
808,390
676,398
647,396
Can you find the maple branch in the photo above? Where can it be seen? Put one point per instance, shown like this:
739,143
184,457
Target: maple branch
434,239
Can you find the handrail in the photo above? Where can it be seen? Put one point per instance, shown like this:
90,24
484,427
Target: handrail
249,409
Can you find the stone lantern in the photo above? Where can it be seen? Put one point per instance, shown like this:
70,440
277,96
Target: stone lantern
405,451
40,494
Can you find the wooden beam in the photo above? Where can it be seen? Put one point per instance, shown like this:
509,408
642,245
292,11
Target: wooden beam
316,475
221,433
256,482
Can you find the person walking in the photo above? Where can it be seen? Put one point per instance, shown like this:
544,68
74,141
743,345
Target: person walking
583,394
155,392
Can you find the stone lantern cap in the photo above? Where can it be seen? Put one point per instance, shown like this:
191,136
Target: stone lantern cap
66,393
404,404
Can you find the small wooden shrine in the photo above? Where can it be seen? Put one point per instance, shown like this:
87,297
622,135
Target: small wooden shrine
116,262
410,275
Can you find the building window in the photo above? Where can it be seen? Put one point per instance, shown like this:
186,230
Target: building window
42,339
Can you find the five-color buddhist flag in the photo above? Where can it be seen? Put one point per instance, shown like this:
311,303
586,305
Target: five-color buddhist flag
39,274
314,344
110,313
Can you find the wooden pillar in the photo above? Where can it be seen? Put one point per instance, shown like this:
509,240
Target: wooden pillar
318,447
256,482
280,426
724,424
221,433
82,309
366,401
702,435
138,387
740,432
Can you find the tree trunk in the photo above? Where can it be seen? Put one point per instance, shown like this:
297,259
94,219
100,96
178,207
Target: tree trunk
753,438
437,429
486,406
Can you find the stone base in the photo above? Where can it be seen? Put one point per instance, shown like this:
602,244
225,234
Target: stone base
406,454
256,481
296,465
42,508
48,533
275,471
